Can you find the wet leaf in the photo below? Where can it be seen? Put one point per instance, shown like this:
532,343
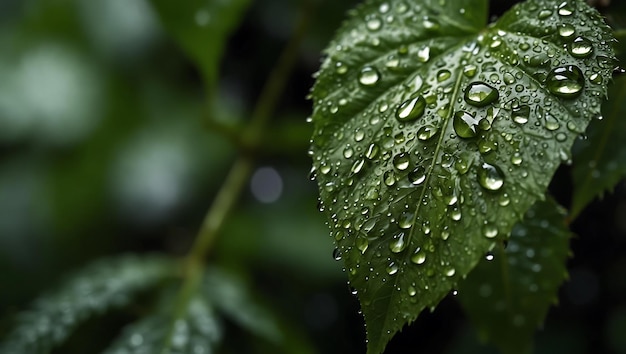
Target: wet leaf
201,28
433,135
96,289
196,331
600,163
507,296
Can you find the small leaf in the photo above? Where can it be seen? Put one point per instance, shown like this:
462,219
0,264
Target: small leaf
197,331
600,162
230,295
507,296
201,28
101,286
434,135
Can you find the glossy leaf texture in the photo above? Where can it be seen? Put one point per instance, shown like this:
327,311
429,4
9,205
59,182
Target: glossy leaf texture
600,161
201,28
433,136
197,330
507,296
96,289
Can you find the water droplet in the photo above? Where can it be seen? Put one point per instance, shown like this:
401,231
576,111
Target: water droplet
398,244
490,230
402,161
595,78
566,81
337,254
392,268
412,291
566,9
470,70
419,257
490,177
348,152
543,14
426,132
516,159
339,235
423,54
372,151
566,31
489,257
465,124
550,122
362,244
369,76
389,178
405,220
340,68
374,24
417,176
520,114
450,272
480,94
443,75
580,47
561,137
411,109
358,166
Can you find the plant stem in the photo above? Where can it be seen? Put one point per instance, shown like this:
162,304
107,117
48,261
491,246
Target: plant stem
241,169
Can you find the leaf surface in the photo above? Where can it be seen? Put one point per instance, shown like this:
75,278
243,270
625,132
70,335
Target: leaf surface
101,286
507,296
201,28
433,136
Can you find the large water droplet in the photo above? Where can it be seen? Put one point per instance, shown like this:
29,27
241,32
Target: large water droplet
419,257
566,31
427,132
443,75
580,47
520,114
372,151
369,76
411,109
392,268
398,244
374,24
389,178
566,9
401,161
490,177
566,81
490,230
465,124
480,94
423,54
357,166
550,122
470,70
362,244
417,176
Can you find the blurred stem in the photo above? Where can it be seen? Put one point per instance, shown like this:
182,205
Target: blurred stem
241,169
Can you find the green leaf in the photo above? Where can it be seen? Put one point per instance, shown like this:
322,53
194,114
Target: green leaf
434,135
201,28
600,161
231,296
101,286
508,294
197,331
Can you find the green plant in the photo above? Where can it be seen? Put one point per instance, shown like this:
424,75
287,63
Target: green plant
435,139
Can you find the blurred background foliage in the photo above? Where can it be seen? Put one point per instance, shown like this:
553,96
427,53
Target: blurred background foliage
109,146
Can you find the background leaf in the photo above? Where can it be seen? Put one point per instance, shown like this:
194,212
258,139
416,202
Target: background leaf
197,331
432,140
101,286
201,27
508,294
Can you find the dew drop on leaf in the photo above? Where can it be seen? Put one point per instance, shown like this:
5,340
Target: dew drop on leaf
427,132
550,122
470,70
374,24
443,75
411,109
417,176
389,178
337,254
419,257
490,177
520,114
580,47
465,124
566,81
392,268
362,244
401,161
490,230
369,76
398,244
423,54
566,9
480,94
372,151
566,30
